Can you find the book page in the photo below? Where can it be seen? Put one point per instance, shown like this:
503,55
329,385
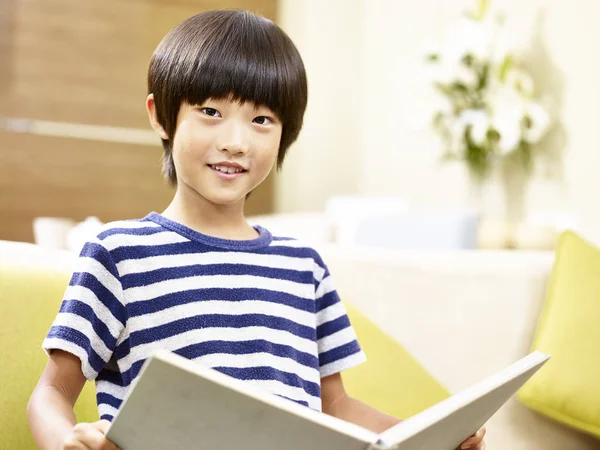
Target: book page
447,424
176,403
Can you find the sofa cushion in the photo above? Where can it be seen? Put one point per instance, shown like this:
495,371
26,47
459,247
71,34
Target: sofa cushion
30,296
567,389
391,379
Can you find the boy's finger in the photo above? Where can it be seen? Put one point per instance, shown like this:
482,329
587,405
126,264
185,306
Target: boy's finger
477,437
102,425
92,436
473,441
74,444
89,435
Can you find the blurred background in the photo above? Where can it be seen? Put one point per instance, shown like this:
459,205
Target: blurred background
75,140
446,146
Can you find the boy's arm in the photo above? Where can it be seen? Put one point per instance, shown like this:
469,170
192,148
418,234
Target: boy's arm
337,403
50,409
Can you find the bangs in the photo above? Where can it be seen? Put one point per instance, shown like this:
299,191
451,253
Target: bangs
241,67
236,54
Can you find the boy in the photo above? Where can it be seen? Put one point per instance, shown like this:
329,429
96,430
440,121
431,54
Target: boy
227,94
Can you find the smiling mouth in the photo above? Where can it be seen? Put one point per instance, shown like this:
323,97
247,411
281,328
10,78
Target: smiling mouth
226,169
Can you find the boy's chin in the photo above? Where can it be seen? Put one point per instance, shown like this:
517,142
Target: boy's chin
219,197
227,200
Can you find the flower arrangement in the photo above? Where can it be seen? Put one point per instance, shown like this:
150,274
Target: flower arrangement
487,109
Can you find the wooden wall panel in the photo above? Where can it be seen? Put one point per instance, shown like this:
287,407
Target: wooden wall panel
46,176
85,62
7,8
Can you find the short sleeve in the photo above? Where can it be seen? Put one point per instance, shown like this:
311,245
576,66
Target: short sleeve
337,343
92,315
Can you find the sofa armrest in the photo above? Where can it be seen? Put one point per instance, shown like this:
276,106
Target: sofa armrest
463,315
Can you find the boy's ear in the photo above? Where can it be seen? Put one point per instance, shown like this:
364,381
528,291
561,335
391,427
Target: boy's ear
151,108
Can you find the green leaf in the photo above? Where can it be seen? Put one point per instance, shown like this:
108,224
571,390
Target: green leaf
460,87
526,158
482,8
468,60
483,77
438,117
493,136
504,68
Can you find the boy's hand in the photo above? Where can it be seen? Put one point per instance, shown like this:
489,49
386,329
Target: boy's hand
475,442
89,436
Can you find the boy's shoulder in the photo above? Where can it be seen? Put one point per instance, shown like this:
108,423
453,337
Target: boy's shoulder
130,226
113,234
289,241
295,247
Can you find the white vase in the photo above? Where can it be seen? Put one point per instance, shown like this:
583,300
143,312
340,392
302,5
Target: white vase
499,203
514,182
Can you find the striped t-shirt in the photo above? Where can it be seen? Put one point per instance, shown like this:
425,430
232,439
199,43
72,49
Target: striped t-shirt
261,310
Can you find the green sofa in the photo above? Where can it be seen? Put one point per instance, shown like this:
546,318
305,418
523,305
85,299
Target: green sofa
32,282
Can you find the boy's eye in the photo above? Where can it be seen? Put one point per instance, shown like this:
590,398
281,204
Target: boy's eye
262,120
211,112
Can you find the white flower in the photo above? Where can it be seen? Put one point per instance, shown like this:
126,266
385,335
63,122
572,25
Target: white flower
509,131
504,44
455,144
504,105
457,130
469,37
448,72
465,76
440,72
506,100
521,81
442,104
540,122
479,122
508,110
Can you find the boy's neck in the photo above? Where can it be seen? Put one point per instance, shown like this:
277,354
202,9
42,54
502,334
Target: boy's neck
220,221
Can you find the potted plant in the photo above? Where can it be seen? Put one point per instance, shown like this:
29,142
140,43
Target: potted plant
488,114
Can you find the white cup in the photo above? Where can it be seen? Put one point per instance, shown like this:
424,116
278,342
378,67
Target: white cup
52,232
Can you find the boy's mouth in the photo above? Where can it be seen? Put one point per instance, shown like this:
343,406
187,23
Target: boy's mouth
228,171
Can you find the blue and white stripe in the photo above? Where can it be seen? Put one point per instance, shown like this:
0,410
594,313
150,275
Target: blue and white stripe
263,310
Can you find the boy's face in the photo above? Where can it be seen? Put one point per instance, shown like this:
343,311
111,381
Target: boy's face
222,149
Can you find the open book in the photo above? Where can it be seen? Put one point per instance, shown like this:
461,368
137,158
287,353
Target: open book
178,404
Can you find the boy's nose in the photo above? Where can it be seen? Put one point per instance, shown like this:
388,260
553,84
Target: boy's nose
234,139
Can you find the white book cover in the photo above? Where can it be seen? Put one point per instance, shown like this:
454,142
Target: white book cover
178,404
